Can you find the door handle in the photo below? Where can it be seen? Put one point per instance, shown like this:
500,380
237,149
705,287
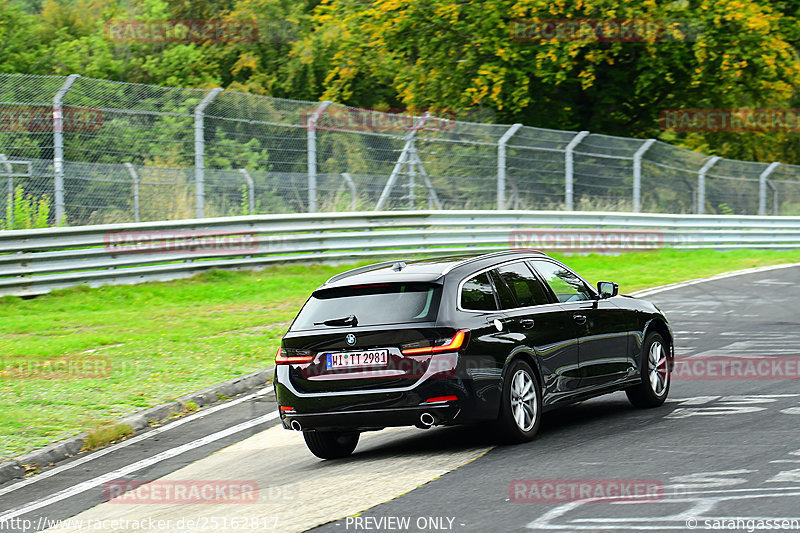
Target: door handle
579,318
526,323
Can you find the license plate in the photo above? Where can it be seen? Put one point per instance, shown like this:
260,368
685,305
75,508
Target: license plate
361,359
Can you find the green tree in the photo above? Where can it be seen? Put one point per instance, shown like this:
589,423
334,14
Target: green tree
442,53
21,51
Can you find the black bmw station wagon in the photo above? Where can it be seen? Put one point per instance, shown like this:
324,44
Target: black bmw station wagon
500,337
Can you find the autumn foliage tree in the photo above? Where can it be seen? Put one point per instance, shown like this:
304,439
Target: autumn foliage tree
444,53
452,54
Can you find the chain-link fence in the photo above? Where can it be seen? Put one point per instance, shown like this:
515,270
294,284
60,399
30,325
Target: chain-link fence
84,151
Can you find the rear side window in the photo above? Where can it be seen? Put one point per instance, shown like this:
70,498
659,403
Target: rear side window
371,305
477,294
527,290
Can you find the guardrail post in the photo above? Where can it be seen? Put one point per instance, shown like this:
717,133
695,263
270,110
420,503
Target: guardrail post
501,165
352,186
199,152
251,190
701,184
311,134
568,169
135,178
762,187
637,174
58,147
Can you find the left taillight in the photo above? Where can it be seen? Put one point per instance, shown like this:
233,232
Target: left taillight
454,344
281,359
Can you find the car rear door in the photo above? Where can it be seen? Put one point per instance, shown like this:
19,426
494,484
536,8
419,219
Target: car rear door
542,326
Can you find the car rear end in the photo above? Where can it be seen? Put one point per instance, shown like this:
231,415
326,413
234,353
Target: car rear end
364,356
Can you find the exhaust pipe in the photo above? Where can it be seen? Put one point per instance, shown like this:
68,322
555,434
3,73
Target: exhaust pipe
296,425
426,420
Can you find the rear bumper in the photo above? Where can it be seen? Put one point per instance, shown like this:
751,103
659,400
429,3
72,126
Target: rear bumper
372,419
375,409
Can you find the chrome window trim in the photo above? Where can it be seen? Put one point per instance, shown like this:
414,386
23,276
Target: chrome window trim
487,269
463,262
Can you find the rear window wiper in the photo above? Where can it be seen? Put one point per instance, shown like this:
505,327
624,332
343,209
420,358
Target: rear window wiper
349,320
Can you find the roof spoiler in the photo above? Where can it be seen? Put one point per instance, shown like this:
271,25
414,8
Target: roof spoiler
359,270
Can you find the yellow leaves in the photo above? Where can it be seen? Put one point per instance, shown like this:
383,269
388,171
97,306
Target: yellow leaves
448,12
475,95
495,96
245,61
389,5
587,78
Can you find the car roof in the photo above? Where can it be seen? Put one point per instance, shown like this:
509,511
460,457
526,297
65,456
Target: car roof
421,270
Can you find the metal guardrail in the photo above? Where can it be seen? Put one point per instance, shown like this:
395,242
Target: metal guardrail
37,261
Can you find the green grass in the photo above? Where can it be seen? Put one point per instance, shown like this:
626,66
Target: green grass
157,341
106,434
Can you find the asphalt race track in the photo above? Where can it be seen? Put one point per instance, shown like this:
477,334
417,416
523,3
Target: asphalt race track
722,454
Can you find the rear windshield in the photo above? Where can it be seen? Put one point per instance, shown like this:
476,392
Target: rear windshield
370,305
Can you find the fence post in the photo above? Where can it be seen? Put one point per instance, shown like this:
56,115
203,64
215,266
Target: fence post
637,174
568,169
433,198
58,147
311,133
199,152
10,201
501,165
405,157
701,184
135,178
774,190
352,186
412,184
762,187
251,190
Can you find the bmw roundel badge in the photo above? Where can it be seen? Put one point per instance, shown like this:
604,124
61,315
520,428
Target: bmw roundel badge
351,339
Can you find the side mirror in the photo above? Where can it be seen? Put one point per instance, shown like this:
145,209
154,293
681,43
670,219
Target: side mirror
607,289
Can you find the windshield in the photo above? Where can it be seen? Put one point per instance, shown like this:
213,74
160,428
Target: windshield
370,305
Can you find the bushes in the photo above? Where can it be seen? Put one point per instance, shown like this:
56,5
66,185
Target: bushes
26,211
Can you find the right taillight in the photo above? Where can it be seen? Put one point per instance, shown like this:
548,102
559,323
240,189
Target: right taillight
281,359
454,344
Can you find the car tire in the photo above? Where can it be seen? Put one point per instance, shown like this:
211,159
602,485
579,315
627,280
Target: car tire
655,373
521,404
331,444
